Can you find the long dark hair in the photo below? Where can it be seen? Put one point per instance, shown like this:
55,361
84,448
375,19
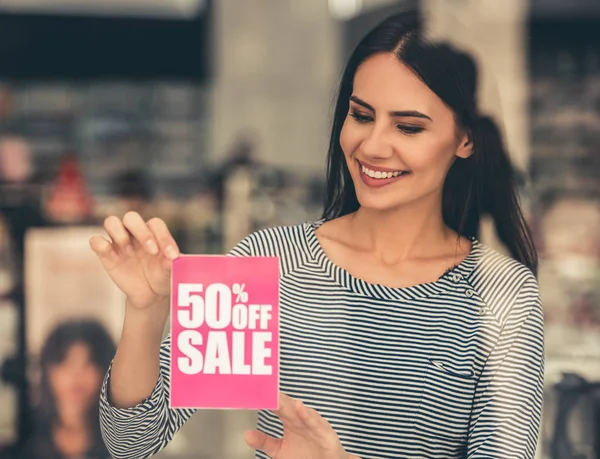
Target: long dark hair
484,183
60,341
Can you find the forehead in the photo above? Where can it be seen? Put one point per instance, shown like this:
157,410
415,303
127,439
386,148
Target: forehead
79,350
388,84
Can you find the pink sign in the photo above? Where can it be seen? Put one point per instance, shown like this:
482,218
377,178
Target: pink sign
225,332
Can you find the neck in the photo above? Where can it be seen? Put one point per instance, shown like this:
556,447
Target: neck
413,231
73,419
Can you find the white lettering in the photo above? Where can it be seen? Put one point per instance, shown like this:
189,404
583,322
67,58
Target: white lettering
238,349
191,364
218,306
260,353
217,354
187,296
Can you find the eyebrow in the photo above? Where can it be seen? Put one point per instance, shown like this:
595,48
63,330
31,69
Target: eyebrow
403,113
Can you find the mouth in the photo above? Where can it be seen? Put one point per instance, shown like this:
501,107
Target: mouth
376,177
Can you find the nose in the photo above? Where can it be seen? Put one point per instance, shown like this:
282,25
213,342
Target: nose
376,145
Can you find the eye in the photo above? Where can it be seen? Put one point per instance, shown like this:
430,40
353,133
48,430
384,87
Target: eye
361,117
411,130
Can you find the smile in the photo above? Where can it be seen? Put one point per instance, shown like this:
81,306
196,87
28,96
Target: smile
376,177
381,174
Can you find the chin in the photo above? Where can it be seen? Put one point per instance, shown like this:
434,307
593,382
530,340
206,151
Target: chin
392,198
380,203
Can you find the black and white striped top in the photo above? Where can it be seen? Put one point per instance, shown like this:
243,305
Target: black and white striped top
448,369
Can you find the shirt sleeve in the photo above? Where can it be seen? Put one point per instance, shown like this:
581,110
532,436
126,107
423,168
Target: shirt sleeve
507,408
144,430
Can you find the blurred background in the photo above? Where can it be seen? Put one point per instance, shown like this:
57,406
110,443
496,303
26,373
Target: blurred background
214,115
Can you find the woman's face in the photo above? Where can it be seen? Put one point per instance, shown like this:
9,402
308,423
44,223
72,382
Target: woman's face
399,139
76,380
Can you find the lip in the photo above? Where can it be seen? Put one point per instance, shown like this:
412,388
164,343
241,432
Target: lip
378,183
376,168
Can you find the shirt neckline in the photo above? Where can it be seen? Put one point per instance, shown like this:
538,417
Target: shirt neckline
454,279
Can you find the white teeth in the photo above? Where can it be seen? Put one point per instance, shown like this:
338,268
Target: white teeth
380,174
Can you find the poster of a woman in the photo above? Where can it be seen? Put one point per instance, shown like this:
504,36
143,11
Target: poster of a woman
73,361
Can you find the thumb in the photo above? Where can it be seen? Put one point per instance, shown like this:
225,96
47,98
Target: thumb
261,441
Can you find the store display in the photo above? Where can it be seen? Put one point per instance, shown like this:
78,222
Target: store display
9,271
69,200
8,392
565,216
565,134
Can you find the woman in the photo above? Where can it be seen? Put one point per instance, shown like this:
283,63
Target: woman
73,362
401,334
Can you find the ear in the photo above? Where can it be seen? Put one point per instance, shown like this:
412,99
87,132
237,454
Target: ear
465,146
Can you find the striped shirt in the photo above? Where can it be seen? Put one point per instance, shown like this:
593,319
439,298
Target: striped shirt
447,369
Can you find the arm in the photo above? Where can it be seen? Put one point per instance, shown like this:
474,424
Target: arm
135,418
144,429
507,408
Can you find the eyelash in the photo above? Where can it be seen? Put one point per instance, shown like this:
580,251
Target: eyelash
410,130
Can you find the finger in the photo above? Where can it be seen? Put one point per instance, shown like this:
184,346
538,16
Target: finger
263,442
310,417
105,251
134,223
287,409
166,243
118,234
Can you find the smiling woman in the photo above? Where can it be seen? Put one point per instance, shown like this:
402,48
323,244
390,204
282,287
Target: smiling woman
401,334
380,138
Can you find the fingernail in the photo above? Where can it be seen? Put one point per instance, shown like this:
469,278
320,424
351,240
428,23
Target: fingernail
152,247
171,252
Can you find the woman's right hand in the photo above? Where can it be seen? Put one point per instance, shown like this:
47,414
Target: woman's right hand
137,257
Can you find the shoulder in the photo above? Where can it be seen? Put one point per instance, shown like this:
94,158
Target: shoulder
289,243
500,269
507,286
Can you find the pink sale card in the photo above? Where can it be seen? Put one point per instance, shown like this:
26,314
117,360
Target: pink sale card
225,332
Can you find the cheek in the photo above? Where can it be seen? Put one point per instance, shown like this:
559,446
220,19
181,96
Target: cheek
349,138
64,383
90,380
59,381
430,155
95,379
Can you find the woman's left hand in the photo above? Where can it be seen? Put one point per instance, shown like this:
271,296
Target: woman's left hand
306,435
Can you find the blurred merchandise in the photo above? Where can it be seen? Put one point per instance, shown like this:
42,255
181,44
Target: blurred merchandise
565,197
565,135
69,200
20,210
236,206
9,348
15,156
133,192
9,264
575,419
20,191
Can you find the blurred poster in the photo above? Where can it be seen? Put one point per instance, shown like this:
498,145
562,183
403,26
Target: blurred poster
65,280
73,316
